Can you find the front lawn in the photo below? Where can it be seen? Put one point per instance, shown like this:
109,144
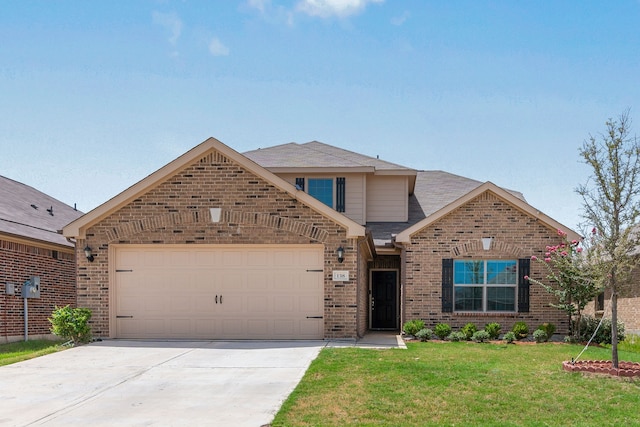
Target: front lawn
437,383
23,350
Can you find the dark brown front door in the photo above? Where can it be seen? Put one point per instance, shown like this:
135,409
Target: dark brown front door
384,301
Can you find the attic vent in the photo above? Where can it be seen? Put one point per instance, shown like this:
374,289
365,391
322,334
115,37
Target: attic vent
34,206
214,157
50,210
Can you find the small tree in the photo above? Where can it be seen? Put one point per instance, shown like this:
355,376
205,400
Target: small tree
571,279
612,205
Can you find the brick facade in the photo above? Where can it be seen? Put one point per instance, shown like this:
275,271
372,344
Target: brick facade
628,305
458,235
56,269
253,211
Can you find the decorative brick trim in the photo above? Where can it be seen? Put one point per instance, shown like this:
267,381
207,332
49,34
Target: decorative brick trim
474,246
200,216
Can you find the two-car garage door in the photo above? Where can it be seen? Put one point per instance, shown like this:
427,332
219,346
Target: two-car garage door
219,292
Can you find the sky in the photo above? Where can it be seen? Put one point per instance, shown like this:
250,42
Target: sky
95,96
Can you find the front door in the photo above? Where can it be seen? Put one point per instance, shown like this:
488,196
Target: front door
384,301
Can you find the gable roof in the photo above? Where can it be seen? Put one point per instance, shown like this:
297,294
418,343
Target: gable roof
78,227
433,191
31,214
508,197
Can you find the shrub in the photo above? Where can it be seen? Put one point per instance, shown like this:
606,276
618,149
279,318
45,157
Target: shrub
589,324
540,335
413,326
468,330
71,324
456,336
442,330
424,334
520,329
493,329
480,336
509,337
549,328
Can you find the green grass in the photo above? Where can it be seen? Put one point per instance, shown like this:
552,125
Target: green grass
630,343
435,384
24,350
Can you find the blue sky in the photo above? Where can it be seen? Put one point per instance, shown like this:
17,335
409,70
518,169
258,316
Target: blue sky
94,96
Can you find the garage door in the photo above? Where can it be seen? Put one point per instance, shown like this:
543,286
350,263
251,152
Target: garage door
219,292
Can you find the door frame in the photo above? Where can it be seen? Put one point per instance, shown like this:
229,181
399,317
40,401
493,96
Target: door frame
397,298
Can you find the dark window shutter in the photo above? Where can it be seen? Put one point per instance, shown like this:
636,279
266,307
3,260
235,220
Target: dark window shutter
447,285
340,194
524,266
300,184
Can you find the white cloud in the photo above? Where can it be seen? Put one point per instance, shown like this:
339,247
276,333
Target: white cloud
399,20
328,8
217,48
261,5
171,22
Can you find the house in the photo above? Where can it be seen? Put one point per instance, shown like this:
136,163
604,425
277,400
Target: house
30,246
307,241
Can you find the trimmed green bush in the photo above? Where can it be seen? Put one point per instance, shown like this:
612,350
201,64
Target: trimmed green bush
71,324
456,336
509,337
549,328
540,335
493,329
413,326
468,330
442,330
424,334
520,329
589,324
481,336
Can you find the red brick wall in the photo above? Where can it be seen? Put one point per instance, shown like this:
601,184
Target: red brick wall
18,262
458,235
253,212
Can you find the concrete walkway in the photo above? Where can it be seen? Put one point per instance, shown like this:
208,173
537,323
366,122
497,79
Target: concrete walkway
161,383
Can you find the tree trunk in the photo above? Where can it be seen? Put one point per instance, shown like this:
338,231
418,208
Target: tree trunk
614,328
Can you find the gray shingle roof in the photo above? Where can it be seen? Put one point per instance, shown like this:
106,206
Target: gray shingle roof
433,191
316,155
19,217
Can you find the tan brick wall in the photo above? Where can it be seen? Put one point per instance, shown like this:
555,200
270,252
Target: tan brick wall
458,235
18,262
253,212
628,305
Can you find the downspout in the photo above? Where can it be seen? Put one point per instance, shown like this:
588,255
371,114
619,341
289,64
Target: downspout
402,276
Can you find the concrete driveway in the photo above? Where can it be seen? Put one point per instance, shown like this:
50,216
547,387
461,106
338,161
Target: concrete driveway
164,383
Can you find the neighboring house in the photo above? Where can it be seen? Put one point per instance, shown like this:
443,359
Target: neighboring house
628,304
307,241
30,245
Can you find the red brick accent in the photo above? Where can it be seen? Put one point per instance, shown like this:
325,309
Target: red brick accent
253,211
20,261
458,235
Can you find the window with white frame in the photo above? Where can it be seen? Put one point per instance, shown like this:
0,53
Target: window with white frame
485,285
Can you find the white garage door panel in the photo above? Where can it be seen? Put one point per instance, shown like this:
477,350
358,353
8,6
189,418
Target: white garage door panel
212,292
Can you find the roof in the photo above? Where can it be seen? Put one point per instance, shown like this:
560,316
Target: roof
433,191
78,227
28,213
319,155
509,197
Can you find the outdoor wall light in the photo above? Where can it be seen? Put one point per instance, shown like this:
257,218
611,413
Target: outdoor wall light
340,253
486,243
87,253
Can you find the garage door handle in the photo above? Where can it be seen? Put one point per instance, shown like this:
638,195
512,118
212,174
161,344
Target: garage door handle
124,317
315,317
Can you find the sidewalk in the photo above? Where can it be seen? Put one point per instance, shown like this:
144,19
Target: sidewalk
373,340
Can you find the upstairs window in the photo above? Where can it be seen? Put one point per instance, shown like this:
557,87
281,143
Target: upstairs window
485,285
324,190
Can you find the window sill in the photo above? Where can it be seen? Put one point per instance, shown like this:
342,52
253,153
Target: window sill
485,313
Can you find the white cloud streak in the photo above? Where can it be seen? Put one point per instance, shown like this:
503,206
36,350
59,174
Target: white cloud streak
171,22
217,48
329,8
